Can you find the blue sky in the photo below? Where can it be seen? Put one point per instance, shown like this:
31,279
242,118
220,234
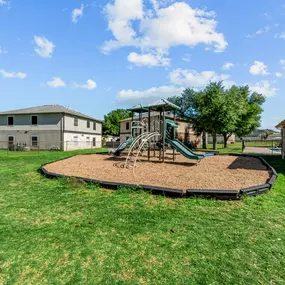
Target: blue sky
95,56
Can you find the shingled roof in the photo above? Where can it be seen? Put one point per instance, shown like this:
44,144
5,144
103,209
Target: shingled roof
281,124
48,109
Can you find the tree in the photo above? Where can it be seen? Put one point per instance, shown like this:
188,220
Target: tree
111,125
250,117
217,110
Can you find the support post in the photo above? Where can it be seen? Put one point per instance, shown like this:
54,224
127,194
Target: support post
161,134
163,137
148,151
174,119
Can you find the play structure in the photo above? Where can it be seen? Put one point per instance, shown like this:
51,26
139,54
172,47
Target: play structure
153,129
149,134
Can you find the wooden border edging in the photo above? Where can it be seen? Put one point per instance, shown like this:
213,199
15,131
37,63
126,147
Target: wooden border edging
170,192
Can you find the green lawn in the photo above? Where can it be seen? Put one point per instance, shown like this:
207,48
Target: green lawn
63,232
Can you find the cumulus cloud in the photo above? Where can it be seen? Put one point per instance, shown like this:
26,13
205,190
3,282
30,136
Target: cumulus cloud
56,82
258,68
43,47
264,87
148,59
90,85
18,75
77,13
177,24
227,66
194,79
279,74
145,96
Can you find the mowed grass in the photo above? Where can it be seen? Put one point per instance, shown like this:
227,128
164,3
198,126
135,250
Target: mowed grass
60,231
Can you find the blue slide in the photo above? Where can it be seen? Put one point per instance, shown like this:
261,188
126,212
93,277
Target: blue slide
122,146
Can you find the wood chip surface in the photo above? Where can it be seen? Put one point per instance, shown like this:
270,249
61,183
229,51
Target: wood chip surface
217,172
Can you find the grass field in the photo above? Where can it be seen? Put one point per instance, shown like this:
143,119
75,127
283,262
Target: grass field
65,232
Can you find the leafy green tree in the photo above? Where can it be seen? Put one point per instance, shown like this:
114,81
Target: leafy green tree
111,125
217,110
250,117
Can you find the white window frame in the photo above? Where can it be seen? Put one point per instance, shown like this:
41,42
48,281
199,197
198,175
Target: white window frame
32,120
34,136
94,126
94,141
75,142
8,121
88,124
76,119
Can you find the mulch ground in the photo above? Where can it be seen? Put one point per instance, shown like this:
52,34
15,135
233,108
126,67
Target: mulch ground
216,172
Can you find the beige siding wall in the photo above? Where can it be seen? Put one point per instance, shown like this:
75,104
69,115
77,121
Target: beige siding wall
73,141
82,125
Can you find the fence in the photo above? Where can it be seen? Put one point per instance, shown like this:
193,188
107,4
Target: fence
26,146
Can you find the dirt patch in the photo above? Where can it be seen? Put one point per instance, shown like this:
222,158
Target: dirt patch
215,172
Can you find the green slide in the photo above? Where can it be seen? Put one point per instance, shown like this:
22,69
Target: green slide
179,146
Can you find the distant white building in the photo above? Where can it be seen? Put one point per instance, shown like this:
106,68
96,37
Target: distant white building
49,127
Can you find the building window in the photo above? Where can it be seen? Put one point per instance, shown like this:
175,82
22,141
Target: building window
34,120
76,122
88,124
34,140
127,125
94,126
10,121
11,140
75,140
94,141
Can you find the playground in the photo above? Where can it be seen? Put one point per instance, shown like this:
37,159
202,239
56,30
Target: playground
154,158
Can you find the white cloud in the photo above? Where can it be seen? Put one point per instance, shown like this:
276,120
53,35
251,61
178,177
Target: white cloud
4,2
3,51
90,85
264,87
279,74
194,79
44,47
227,66
148,59
178,24
19,75
262,31
280,36
77,13
282,62
145,96
258,68
186,57
259,32
56,82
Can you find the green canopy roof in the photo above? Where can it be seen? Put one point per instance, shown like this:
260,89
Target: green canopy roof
159,105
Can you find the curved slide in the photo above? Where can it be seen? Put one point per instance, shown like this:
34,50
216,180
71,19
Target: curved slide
122,146
183,149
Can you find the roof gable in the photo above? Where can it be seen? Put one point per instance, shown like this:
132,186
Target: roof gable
48,109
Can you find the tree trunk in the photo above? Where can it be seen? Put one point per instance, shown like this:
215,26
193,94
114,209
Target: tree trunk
225,140
204,138
214,141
